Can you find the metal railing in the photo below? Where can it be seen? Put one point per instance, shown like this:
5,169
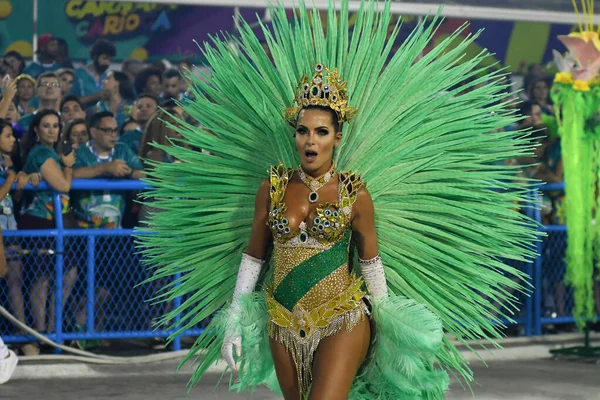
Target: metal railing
97,251
89,261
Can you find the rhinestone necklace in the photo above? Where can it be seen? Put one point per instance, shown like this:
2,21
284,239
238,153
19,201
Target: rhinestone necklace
315,184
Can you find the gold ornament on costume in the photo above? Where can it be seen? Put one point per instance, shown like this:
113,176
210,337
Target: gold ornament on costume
326,90
314,184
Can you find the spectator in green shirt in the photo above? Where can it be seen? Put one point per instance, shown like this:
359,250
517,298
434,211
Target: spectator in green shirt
14,62
76,132
89,78
66,76
25,92
48,50
102,156
145,108
48,90
172,87
7,217
120,95
149,81
70,109
56,169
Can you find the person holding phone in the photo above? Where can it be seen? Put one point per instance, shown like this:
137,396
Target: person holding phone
55,165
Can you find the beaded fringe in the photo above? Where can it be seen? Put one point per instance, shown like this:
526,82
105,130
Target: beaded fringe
303,353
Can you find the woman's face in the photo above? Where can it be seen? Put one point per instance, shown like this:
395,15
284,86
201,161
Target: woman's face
110,83
315,140
7,140
25,89
79,135
48,130
14,66
536,115
66,83
12,115
177,112
153,85
172,134
540,91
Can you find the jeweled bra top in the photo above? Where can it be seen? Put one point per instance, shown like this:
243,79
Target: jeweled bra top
332,221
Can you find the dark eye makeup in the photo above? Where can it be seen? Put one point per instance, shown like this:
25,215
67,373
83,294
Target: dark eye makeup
320,132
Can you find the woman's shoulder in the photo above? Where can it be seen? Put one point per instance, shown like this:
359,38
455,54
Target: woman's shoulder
37,157
42,151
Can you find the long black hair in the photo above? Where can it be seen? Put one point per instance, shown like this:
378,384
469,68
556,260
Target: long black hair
19,57
144,75
3,124
125,86
30,140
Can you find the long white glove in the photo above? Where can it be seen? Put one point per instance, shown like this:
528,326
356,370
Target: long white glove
374,276
246,281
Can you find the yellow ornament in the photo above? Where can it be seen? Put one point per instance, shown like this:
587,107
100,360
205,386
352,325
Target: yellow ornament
581,86
22,47
588,36
326,89
5,9
139,54
595,81
564,77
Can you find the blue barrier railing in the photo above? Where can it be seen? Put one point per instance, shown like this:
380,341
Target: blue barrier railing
56,241
130,313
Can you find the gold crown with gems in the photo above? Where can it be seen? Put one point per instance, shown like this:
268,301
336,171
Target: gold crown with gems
326,90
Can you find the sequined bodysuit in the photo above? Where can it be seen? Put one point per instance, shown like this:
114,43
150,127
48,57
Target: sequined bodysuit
314,295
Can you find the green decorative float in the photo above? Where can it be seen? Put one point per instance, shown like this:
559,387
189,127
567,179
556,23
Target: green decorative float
576,94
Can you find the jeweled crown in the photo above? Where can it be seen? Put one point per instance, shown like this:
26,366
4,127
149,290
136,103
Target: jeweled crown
326,88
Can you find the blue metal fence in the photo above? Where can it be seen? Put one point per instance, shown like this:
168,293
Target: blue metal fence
108,268
107,303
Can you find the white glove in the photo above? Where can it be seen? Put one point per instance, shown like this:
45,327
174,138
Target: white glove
246,281
374,276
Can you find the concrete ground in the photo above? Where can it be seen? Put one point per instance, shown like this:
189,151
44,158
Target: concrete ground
538,379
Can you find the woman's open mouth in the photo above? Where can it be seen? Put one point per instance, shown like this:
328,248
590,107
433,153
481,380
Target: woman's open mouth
310,155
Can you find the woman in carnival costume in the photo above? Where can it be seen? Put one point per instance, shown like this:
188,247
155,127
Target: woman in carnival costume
339,292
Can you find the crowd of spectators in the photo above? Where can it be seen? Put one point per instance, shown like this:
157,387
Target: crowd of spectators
59,123
537,114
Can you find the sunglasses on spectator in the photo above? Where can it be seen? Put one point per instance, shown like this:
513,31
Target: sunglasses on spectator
50,84
109,131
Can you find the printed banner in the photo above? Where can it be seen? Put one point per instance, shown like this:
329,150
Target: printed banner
152,31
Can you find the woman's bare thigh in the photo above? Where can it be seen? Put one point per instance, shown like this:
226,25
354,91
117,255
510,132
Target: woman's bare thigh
337,361
286,371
